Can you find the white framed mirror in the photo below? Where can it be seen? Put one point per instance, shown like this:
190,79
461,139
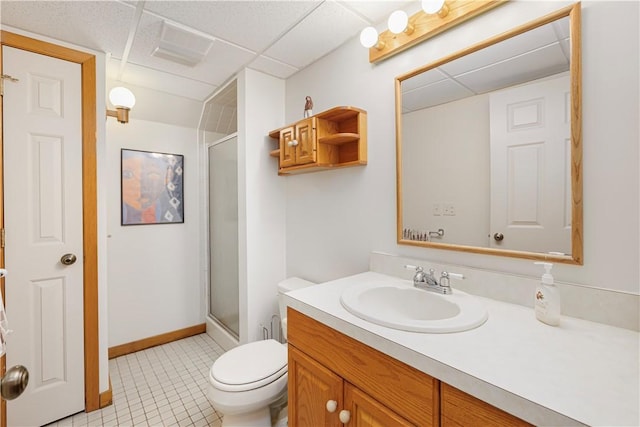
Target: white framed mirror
489,145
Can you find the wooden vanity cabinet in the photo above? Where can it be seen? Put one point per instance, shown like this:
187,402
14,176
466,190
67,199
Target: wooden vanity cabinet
331,139
375,389
460,409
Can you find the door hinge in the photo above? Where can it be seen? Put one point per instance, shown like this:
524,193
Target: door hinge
2,238
3,78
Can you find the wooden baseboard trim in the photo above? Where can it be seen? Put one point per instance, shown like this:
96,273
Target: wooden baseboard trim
106,397
132,347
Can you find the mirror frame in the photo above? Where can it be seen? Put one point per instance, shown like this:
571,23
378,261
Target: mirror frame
575,72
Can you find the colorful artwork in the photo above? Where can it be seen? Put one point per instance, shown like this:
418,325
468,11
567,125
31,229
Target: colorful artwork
152,188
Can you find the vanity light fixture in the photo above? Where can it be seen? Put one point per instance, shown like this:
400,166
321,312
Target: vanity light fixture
369,38
399,23
124,100
432,7
435,17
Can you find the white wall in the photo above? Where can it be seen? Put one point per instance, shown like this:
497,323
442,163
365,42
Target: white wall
261,206
335,218
456,172
154,270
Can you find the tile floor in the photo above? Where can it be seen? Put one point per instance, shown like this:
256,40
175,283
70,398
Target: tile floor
161,386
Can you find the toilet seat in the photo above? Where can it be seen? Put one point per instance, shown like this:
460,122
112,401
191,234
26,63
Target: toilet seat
249,366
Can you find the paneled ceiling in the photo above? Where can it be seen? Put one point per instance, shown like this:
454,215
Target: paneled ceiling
535,54
191,48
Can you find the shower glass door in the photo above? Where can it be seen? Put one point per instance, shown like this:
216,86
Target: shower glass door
223,234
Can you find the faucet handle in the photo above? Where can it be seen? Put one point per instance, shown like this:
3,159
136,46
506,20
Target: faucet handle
413,267
445,276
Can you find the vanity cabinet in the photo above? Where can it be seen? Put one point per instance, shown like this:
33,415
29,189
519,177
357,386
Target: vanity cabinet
332,376
331,139
336,380
461,409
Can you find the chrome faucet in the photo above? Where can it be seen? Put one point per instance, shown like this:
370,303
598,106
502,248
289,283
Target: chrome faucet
428,282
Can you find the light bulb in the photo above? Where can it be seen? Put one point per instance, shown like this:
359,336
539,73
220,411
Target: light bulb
398,21
122,97
432,6
369,37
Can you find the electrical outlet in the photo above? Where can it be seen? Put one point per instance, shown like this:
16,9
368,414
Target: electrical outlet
437,209
448,209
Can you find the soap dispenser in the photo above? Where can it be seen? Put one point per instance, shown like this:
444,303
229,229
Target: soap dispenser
547,298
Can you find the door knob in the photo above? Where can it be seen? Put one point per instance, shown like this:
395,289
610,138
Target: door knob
14,382
498,237
68,259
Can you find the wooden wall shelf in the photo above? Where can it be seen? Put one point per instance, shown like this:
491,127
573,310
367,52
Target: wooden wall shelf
331,139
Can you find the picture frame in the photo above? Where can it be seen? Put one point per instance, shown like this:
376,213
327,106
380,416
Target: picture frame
152,187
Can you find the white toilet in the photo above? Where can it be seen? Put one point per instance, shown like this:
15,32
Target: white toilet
246,380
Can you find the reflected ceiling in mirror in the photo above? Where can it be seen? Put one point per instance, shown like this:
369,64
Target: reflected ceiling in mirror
489,145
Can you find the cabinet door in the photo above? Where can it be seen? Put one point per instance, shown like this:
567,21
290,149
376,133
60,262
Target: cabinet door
460,409
287,150
311,386
365,411
306,137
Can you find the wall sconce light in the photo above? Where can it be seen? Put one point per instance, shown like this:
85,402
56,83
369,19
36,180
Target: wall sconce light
435,17
124,100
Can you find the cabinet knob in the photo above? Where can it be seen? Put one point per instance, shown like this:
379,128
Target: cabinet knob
293,143
344,416
332,405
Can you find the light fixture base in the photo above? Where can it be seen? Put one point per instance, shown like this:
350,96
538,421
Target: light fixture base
120,113
426,26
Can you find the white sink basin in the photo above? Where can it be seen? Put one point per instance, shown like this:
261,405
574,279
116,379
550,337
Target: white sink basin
407,308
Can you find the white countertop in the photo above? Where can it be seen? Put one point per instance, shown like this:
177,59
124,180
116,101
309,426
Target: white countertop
580,372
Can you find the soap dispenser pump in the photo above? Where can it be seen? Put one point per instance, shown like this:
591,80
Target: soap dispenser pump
547,298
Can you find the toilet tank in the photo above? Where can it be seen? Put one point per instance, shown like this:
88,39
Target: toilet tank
290,284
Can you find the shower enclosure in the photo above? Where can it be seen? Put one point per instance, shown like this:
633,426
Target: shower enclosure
223,234
219,126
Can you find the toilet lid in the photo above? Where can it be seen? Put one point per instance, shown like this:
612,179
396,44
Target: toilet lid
250,365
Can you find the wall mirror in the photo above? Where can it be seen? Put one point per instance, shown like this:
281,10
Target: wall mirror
489,146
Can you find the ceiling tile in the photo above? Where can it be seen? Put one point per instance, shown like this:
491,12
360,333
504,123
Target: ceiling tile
506,49
534,65
272,67
251,24
329,26
73,21
159,80
423,79
222,60
434,94
376,11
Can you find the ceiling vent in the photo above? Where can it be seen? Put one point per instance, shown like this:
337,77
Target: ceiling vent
181,46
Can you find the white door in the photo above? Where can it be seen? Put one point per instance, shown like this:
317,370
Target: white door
43,221
530,167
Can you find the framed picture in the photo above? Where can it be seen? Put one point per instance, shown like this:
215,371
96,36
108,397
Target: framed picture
152,187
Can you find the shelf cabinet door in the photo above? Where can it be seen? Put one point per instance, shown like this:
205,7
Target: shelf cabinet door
306,137
365,411
287,150
311,386
298,144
